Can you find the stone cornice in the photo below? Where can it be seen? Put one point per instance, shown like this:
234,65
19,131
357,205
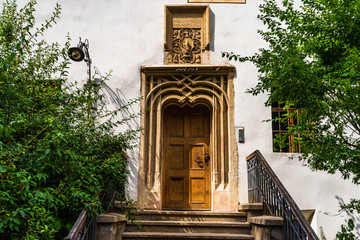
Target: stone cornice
201,69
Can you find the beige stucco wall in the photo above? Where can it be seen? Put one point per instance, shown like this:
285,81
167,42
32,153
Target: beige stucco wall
127,34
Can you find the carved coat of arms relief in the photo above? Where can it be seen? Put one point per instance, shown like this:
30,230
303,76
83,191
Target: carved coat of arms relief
187,37
186,46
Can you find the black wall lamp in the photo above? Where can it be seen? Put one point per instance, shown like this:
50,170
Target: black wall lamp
81,52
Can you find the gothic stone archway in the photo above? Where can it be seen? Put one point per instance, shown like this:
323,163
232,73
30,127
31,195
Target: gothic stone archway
208,85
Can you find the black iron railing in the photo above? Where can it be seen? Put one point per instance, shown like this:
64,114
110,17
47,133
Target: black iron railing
85,227
265,187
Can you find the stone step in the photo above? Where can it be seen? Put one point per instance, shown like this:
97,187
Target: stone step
200,216
189,227
250,207
178,236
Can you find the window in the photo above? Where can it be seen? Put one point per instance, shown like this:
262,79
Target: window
282,141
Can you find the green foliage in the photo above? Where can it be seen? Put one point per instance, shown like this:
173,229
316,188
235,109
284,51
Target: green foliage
312,62
350,230
347,231
57,151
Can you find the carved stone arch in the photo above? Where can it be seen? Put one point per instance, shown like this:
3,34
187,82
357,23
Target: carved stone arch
211,86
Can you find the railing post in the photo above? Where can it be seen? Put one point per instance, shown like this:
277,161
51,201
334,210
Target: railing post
286,233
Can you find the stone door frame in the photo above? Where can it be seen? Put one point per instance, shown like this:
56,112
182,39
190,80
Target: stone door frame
211,85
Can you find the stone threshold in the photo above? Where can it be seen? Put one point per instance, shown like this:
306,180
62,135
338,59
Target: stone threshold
194,223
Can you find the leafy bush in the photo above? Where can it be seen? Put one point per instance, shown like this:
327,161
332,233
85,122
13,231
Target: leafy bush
57,151
312,63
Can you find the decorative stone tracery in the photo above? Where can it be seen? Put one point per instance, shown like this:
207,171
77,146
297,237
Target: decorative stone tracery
186,46
187,34
208,85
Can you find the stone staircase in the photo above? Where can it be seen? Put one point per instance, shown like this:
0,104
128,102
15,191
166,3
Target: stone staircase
172,225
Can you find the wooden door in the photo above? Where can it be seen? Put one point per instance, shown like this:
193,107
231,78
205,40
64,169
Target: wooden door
186,158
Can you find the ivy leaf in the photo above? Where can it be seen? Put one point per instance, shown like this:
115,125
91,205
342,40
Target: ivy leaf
57,225
68,226
22,213
47,151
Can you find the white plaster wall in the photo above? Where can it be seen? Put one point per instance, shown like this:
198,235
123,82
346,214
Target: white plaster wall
127,34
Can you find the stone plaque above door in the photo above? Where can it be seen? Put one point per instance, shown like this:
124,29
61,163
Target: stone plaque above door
187,36
217,1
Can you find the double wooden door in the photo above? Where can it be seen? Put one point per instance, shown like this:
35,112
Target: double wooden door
186,158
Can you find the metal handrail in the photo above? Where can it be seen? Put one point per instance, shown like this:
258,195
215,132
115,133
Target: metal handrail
85,227
264,186
75,230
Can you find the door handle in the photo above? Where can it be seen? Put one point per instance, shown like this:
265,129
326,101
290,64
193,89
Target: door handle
207,158
199,161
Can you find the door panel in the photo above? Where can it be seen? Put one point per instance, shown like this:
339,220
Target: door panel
198,191
177,125
177,189
186,167
197,123
177,157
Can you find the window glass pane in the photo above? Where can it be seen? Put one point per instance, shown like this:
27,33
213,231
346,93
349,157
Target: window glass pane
280,123
276,147
275,123
275,104
283,122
